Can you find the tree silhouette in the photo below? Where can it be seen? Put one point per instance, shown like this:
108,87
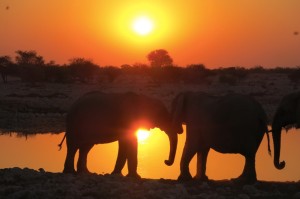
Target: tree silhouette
31,66
5,63
29,58
159,58
83,69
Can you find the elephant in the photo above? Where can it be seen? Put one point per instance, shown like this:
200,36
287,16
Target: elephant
98,117
287,115
231,123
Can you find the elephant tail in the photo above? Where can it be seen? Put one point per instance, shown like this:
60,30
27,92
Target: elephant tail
268,138
60,144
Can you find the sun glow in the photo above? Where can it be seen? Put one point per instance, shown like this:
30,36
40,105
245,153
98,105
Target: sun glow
142,135
142,25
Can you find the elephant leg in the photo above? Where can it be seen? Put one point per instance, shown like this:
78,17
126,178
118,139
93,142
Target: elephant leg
131,153
69,162
121,159
201,164
82,160
189,151
249,172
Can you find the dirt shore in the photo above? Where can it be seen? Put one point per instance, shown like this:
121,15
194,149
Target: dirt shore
27,183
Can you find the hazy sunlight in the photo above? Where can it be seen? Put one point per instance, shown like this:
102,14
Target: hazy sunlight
142,134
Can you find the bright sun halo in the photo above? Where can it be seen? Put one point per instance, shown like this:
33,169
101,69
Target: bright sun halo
142,135
142,25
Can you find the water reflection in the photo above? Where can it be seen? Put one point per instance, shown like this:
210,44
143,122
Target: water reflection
41,151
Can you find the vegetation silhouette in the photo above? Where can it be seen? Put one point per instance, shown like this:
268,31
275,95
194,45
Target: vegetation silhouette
98,117
31,67
5,66
159,58
228,124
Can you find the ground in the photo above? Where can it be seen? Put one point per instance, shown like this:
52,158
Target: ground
31,184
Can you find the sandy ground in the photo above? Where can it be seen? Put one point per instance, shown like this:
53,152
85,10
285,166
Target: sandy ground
27,183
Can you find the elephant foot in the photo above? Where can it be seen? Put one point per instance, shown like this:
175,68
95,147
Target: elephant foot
119,174
83,171
245,180
133,175
203,178
184,178
70,171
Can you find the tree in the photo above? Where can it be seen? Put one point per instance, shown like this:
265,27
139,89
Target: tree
159,58
30,66
29,58
83,69
5,62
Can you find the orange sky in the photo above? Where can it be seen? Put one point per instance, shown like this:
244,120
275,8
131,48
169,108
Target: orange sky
215,33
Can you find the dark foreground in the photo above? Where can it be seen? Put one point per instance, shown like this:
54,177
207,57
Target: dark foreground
28,183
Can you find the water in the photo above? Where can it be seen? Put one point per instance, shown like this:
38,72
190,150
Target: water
41,151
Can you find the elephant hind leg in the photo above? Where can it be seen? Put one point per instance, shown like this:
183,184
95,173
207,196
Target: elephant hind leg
249,173
69,162
82,160
201,164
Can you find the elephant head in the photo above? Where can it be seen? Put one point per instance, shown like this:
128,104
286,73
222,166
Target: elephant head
161,118
286,115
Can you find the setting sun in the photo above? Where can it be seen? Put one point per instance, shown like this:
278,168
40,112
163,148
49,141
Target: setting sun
142,134
142,25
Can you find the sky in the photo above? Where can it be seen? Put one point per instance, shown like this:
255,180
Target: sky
214,33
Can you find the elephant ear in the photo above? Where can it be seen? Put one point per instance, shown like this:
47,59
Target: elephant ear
178,109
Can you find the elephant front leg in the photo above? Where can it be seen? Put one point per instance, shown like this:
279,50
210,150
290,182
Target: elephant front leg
201,164
82,160
121,159
188,153
249,172
132,148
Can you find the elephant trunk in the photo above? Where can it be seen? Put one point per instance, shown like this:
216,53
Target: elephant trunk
173,147
276,140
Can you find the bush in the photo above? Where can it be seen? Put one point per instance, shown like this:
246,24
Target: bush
83,70
58,74
228,79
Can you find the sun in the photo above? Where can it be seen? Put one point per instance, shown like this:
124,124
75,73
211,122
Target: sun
142,25
142,135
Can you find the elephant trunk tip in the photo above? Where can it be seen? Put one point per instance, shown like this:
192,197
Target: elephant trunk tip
280,165
169,162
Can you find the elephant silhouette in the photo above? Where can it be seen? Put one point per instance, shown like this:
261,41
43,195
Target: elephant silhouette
287,115
228,124
98,117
